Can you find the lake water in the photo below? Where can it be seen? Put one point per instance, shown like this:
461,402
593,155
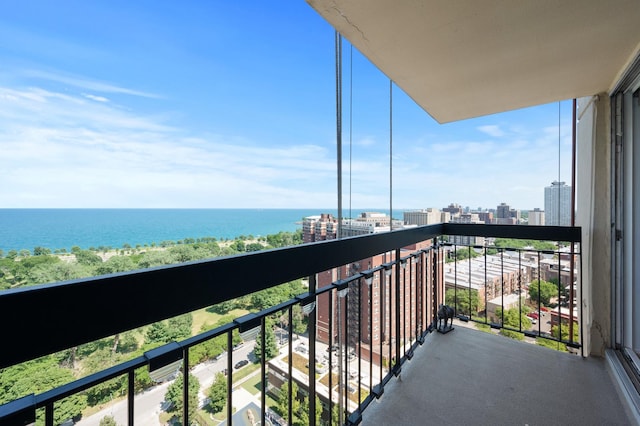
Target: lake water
64,228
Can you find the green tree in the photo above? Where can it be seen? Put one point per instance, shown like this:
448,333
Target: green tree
462,254
555,332
513,318
86,257
56,271
304,411
254,247
175,400
108,421
41,251
115,264
299,320
460,299
186,253
239,246
157,333
39,376
542,289
225,307
521,244
218,393
155,258
180,327
283,401
271,347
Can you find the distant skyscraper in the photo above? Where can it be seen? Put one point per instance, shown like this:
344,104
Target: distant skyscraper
465,239
422,217
505,215
557,204
502,212
536,217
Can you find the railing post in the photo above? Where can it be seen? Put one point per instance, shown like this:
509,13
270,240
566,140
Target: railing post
397,367
48,414
229,377
185,387
312,353
263,368
131,394
290,394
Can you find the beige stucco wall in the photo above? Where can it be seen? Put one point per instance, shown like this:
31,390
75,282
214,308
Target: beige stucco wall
594,216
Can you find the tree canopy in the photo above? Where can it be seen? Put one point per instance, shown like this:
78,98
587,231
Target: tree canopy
461,301
270,345
543,291
175,399
25,268
218,393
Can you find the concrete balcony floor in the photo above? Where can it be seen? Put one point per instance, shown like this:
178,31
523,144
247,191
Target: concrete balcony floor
469,377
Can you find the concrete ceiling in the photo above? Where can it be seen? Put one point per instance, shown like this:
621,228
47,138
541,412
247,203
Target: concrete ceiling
465,58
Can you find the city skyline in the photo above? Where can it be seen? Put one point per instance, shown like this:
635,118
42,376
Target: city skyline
191,106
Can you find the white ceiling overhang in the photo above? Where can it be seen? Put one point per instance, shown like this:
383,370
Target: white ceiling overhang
465,58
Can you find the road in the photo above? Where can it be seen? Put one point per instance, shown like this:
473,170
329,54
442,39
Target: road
150,403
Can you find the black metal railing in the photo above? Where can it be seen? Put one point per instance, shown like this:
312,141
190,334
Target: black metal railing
374,315
527,291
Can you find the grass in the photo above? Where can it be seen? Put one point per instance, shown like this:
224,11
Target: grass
363,395
244,372
299,363
334,379
219,416
253,385
483,327
204,318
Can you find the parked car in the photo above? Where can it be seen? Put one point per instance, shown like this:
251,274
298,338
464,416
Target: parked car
241,364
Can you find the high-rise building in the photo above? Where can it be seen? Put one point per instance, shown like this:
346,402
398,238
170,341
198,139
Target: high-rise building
557,204
369,223
466,239
536,217
319,228
502,212
505,215
422,217
368,313
454,209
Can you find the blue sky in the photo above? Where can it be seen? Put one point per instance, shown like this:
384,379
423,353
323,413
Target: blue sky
232,104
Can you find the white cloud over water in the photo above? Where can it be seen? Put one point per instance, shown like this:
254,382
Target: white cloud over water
64,150
89,146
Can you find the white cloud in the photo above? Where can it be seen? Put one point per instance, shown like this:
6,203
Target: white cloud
65,149
87,84
492,130
61,150
95,98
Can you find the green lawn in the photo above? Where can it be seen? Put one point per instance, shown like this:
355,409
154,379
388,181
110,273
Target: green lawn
203,317
245,371
253,385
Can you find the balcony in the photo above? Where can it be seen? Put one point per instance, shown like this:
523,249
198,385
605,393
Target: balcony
475,378
375,300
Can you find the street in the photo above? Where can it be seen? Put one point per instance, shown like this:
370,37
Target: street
149,404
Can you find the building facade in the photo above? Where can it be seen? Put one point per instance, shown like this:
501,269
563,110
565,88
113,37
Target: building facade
319,228
466,240
423,217
536,217
557,204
